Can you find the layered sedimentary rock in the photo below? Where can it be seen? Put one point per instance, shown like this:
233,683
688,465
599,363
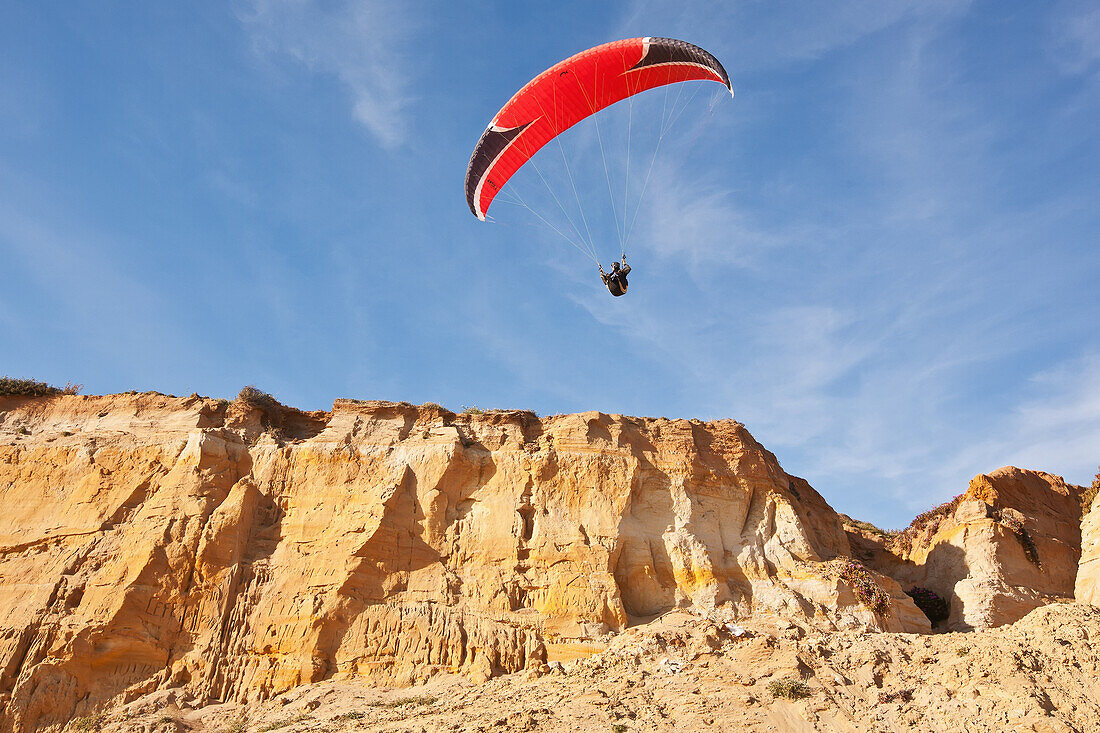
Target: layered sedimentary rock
1087,587
233,552
1008,545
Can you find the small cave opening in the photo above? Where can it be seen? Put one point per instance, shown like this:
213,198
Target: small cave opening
936,607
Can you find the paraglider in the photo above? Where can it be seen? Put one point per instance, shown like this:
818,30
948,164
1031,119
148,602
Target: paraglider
616,281
569,92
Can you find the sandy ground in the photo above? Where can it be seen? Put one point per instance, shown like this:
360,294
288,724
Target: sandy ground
684,673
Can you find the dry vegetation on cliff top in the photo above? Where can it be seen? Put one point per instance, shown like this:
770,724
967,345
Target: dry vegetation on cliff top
923,526
17,387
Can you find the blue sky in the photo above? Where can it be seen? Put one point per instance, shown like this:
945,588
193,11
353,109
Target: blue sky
881,256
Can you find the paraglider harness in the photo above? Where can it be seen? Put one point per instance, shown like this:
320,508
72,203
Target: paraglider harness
616,282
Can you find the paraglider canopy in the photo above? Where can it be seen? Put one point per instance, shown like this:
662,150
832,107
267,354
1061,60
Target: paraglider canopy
570,91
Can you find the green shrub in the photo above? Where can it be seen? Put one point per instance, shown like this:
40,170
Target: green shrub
11,386
866,589
471,410
433,406
934,607
789,688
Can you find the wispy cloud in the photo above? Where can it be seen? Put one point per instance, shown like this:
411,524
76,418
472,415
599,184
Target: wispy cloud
1053,425
871,376
1057,426
363,44
683,218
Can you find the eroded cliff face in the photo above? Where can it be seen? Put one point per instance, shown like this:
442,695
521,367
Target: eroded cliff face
1087,586
1008,545
149,541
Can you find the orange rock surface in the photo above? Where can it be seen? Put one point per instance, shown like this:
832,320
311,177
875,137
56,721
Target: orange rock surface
152,542
1010,544
1087,586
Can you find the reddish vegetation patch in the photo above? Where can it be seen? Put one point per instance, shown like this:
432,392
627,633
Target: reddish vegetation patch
868,592
934,607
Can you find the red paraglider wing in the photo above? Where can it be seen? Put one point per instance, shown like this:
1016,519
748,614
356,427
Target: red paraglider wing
570,91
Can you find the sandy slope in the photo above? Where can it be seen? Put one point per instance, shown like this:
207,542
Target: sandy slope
1040,674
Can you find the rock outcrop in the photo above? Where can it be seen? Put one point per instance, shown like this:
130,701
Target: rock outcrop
1087,586
231,552
1009,544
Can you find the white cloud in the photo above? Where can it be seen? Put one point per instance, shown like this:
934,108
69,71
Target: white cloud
1057,428
685,219
363,44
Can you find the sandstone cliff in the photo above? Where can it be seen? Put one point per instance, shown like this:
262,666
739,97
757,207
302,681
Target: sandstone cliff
153,542
1009,544
1087,587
